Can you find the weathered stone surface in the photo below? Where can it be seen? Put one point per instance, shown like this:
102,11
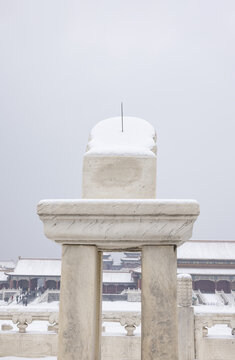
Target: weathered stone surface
28,344
184,290
79,303
118,224
159,304
186,333
120,165
6,327
106,177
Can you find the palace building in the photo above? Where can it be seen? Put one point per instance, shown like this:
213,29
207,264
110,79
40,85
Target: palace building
210,263
32,274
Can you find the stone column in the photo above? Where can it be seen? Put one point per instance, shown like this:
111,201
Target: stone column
185,317
159,303
11,284
79,315
99,305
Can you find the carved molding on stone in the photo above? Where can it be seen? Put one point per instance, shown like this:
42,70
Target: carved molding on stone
54,321
184,290
22,320
130,323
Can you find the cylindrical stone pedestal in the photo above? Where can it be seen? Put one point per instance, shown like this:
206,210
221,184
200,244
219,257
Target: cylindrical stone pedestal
80,302
159,303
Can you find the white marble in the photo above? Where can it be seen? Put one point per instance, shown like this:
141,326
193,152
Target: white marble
159,303
185,317
120,164
186,339
80,303
118,224
213,347
219,345
124,177
184,289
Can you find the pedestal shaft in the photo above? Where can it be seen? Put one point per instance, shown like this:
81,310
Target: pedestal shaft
159,303
79,314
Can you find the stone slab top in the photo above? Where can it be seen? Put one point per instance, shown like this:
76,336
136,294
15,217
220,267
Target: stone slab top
118,224
154,207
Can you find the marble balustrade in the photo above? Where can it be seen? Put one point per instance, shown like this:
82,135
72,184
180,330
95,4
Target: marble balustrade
31,344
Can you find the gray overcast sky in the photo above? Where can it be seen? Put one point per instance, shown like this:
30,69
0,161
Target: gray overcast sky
65,65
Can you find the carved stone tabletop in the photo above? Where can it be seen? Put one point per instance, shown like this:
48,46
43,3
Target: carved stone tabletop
118,224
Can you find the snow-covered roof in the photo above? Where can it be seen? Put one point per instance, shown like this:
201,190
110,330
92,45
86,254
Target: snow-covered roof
200,271
117,277
137,270
3,276
205,271
37,267
137,138
116,257
133,259
7,265
213,250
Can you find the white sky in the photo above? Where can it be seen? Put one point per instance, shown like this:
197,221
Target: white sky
65,65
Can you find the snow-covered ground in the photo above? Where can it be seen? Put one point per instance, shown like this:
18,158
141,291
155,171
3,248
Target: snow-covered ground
214,309
34,306
109,306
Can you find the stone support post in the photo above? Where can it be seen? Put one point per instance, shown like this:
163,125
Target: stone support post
80,303
159,303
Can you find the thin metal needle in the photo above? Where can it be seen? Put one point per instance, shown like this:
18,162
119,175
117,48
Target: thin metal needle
122,115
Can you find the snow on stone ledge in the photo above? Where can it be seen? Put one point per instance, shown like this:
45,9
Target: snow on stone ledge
137,139
184,276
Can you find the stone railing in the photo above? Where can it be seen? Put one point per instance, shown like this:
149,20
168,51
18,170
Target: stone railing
211,344
128,320
23,318
207,347
196,337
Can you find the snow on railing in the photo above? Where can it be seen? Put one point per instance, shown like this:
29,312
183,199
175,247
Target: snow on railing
206,344
128,320
204,321
23,318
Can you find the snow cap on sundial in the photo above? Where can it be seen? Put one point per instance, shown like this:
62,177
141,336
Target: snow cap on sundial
120,161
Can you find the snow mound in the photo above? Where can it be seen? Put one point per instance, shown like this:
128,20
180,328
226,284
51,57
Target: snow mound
137,139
